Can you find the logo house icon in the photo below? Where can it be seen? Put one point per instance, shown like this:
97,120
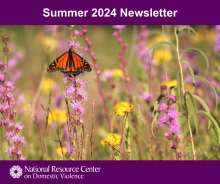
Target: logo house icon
16,171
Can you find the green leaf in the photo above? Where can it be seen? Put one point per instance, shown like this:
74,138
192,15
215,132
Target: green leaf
207,83
187,27
191,72
213,121
71,158
157,103
179,90
194,110
74,144
197,51
203,104
157,44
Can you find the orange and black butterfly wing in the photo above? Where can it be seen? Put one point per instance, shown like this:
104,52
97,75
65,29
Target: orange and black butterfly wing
77,65
86,66
60,64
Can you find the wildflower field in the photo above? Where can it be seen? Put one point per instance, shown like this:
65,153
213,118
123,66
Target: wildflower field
118,93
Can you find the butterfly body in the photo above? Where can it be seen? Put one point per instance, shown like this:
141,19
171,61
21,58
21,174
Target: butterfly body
69,63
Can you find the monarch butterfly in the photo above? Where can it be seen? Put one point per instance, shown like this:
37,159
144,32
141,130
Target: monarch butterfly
69,63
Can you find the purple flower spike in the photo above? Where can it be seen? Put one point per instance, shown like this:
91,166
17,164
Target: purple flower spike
172,97
162,107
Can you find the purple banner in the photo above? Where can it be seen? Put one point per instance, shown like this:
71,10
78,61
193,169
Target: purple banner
108,172
109,12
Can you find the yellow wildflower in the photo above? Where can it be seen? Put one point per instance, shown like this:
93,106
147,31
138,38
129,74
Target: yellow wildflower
123,107
46,85
170,83
117,72
194,39
48,43
157,38
59,151
112,140
58,115
158,56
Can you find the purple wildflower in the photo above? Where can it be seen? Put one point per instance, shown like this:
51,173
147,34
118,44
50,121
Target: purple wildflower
6,108
171,107
2,64
17,74
174,127
78,107
162,107
107,75
67,77
9,85
10,150
145,97
18,55
19,127
74,44
2,78
118,26
15,138
76,32
82,94
163,120
172,115
172,97
70,90
9,135
79,83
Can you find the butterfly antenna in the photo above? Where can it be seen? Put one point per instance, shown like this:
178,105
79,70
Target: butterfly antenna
65,45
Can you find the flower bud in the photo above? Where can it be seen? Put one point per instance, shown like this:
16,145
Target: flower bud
164,91
94,58
85,31
125,46
178,138
86,49
5,50
181,154
120,41
109,96
115,34
175,145
71,115
5,39
120,58
2,65
125,62
121,52
168,136
172,99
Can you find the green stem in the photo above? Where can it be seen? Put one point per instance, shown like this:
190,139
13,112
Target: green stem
183,91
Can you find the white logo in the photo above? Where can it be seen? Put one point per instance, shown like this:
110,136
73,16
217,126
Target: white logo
16,171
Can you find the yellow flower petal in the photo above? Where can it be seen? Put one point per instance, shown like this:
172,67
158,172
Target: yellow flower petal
59,151
111,140
123,107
